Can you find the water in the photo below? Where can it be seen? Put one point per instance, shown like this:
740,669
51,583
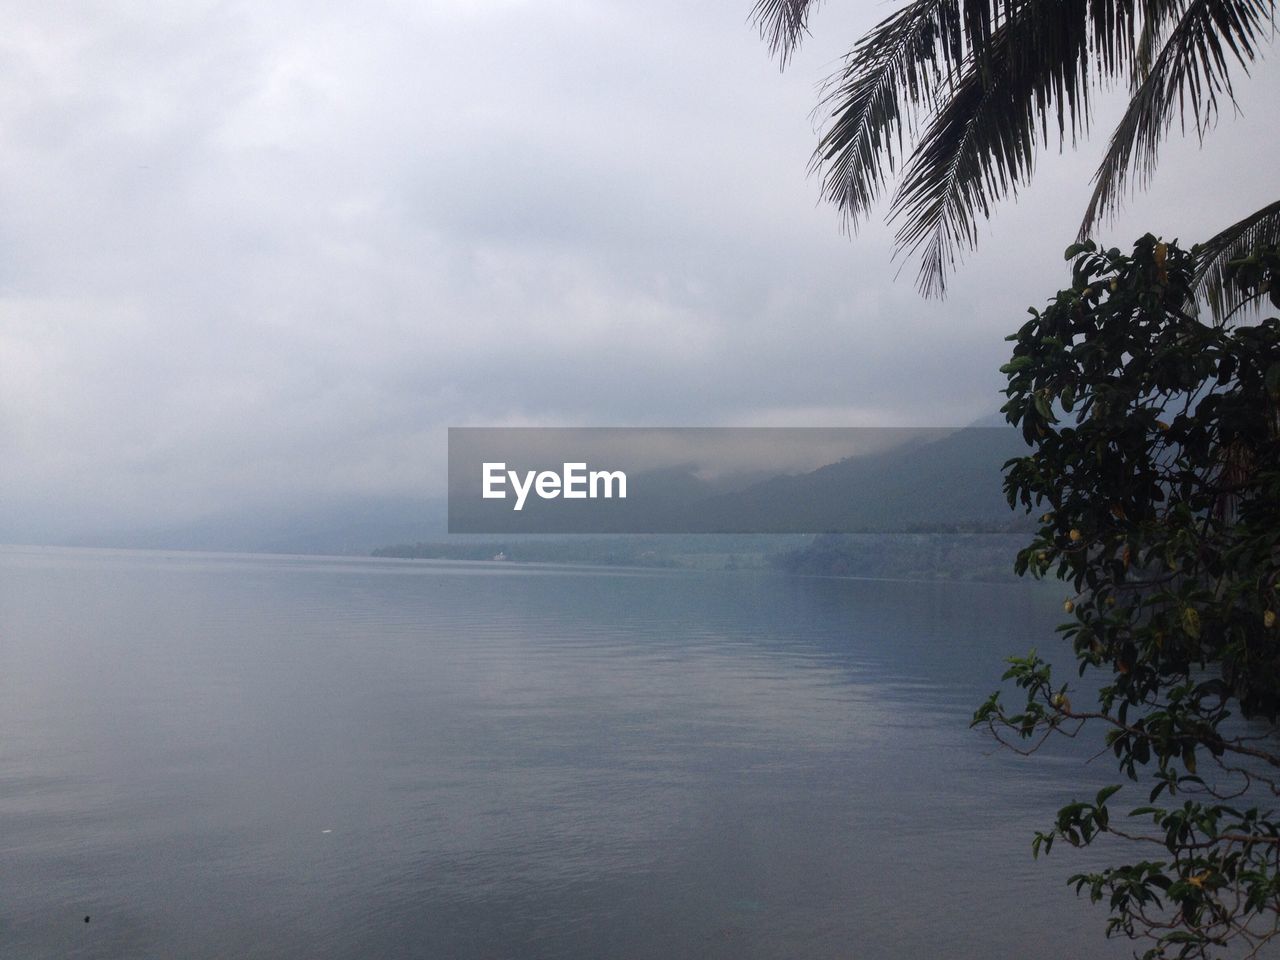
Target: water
219,756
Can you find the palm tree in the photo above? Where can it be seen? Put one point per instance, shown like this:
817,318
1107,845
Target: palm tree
960,94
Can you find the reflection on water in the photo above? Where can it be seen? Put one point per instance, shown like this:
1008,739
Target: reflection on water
301,758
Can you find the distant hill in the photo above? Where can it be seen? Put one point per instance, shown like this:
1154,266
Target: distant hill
951,482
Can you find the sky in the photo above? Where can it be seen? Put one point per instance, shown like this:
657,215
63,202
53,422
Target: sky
255,256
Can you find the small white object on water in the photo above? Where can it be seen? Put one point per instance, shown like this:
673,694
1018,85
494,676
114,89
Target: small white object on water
326,831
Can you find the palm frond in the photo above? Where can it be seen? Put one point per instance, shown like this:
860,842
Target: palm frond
981,144
949,183
987,81
783,23
918,59
1189,74
874,102
1260,228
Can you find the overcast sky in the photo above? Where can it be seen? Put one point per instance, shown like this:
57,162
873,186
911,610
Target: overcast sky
265,253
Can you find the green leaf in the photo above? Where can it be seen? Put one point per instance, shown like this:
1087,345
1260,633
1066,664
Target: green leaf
1191,622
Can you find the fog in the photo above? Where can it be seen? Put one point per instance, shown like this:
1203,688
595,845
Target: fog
258,257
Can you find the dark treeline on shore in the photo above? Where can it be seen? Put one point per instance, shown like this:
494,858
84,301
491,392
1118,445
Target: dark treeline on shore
928,555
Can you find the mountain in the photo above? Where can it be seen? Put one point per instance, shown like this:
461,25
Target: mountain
950,483
927,482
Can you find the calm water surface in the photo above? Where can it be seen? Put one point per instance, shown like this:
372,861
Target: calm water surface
261,757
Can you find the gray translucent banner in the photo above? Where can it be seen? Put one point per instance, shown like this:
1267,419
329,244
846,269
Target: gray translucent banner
729,480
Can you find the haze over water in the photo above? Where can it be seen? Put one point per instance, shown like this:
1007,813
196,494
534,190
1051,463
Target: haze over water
266,757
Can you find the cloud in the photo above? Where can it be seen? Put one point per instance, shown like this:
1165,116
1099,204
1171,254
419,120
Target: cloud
255,254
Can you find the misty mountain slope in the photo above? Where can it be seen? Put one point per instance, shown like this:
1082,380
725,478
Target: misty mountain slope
953,481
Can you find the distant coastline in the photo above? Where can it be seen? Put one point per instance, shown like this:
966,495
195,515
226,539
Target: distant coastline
960,556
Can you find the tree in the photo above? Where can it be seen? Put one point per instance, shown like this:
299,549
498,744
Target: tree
961,95
1157,452
1155,435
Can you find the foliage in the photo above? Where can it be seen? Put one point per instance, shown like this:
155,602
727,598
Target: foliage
1156,450
961,94
1260,229
932,555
